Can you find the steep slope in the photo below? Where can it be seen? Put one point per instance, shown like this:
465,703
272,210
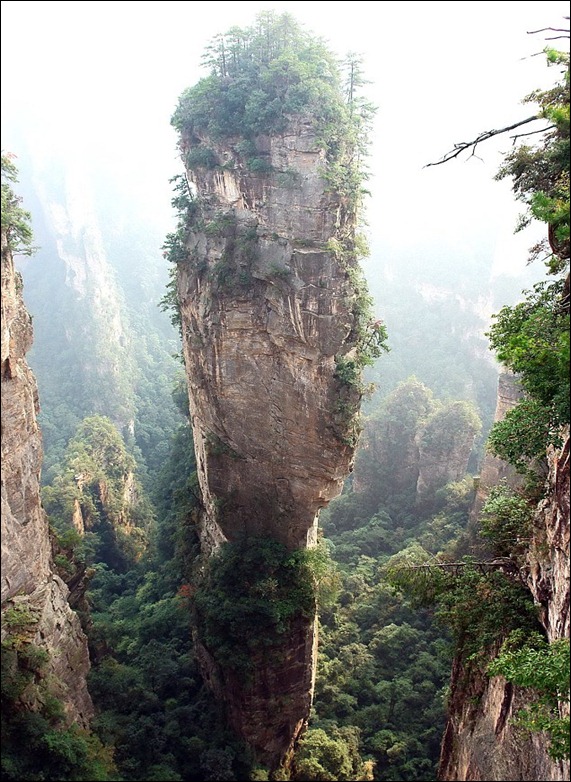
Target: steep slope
34,599
266,309
481,740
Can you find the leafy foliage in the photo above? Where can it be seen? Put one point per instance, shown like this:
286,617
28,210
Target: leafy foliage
37,744
541,174
97,480
260,76
532,338
544,668
251,593
383,661
523,434
331,757
505,519
16,222
152,703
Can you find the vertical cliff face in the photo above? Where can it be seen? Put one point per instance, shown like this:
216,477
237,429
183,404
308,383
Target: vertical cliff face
495,470
548,558
482,741
267,311
31,591
266,308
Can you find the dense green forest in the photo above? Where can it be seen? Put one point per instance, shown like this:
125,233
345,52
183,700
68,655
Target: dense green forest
123,500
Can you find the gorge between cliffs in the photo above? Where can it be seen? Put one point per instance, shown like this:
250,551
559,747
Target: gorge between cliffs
241,538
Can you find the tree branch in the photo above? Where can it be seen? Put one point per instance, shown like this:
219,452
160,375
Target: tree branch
552,30
464,145
549,29
501,563
532,132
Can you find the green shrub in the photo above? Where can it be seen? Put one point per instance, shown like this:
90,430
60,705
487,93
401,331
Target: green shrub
19,617
543,667
252,591
201,157
506,521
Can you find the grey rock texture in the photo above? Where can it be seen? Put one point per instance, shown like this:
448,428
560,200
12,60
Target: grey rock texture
267,309
28,579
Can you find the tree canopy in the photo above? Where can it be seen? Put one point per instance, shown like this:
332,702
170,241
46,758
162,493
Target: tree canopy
259,77
263,76
16,222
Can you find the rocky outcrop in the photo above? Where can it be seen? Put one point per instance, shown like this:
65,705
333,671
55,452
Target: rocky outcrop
444,447
272,709
268,314
548,558
34,594
482,741
494,470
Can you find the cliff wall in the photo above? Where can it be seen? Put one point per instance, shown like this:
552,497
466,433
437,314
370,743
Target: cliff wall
268,311
30,587
481,741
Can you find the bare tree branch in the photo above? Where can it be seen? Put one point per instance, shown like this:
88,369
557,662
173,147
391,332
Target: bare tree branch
552,30
532,132
464,145
549,29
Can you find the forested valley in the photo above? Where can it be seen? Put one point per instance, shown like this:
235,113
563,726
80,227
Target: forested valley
414,570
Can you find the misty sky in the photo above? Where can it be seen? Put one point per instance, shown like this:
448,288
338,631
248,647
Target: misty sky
98,82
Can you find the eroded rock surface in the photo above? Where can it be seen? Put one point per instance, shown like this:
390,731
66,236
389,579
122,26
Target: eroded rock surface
482,741
28,580
267,311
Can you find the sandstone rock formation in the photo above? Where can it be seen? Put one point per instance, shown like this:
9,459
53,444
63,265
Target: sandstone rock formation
29,583
548,558
481,741
268,311
495,470
444,447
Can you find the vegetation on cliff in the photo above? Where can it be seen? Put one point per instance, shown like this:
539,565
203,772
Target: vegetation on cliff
384,662
252,593
543,668
16,221
532,338
487,602
97,489
38,741
261,77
